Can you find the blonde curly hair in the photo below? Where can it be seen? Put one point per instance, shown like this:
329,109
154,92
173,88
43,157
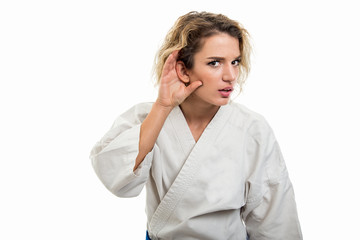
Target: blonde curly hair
186,36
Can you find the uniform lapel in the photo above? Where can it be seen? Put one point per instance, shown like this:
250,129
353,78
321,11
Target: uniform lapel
182,130
188,171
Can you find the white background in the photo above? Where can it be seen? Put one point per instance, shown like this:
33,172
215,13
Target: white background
69,68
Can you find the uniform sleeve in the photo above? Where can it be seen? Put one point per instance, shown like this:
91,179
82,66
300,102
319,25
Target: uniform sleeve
270,211
113,157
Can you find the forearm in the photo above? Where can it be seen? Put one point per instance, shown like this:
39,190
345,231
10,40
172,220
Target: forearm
172,91
150,130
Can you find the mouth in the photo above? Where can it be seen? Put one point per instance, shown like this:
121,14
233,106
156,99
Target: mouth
225,92
227,89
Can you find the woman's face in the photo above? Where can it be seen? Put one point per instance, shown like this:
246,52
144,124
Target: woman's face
216,65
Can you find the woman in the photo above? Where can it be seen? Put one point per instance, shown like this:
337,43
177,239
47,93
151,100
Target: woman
212,168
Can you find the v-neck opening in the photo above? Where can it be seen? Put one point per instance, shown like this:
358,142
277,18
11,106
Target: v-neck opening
189,128
183,130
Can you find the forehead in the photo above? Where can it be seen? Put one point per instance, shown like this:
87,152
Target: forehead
219,45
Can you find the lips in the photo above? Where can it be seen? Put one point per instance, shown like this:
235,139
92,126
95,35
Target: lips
225,92
227,89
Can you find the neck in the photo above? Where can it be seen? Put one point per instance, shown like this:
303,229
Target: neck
196,111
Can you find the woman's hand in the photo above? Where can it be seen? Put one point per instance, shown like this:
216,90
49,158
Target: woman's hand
172,91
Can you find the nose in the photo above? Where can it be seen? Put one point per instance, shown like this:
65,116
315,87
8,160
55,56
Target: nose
229,73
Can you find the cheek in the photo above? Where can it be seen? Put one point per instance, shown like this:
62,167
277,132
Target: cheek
212,75
206,75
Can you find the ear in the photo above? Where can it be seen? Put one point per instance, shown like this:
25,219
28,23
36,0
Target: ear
182,72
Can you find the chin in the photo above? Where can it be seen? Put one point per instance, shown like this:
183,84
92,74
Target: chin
223,102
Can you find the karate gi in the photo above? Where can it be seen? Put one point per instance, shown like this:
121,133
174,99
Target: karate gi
231,182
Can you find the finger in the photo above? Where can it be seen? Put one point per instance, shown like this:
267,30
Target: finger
170,62
172,57
192,87
175,54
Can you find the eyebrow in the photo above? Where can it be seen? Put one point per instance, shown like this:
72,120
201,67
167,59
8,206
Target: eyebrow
222,58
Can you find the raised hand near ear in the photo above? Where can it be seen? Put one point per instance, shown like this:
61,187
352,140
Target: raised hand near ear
172,91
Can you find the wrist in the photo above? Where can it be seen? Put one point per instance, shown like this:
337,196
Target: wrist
162,107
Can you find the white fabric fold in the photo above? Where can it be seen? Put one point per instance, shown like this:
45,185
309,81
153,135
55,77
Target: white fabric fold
232,183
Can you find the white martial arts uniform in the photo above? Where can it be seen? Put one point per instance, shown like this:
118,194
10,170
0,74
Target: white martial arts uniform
231,182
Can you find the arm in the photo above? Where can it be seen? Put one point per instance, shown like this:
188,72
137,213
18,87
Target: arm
172,92
114,155
123,157
150,129
274,215
270,211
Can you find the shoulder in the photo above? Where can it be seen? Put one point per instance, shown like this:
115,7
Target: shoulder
253,123
244,112
135,114
247,118
141,108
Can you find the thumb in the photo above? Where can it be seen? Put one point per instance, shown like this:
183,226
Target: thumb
192,87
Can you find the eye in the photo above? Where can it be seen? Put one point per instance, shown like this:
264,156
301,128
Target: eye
214,63
236,62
